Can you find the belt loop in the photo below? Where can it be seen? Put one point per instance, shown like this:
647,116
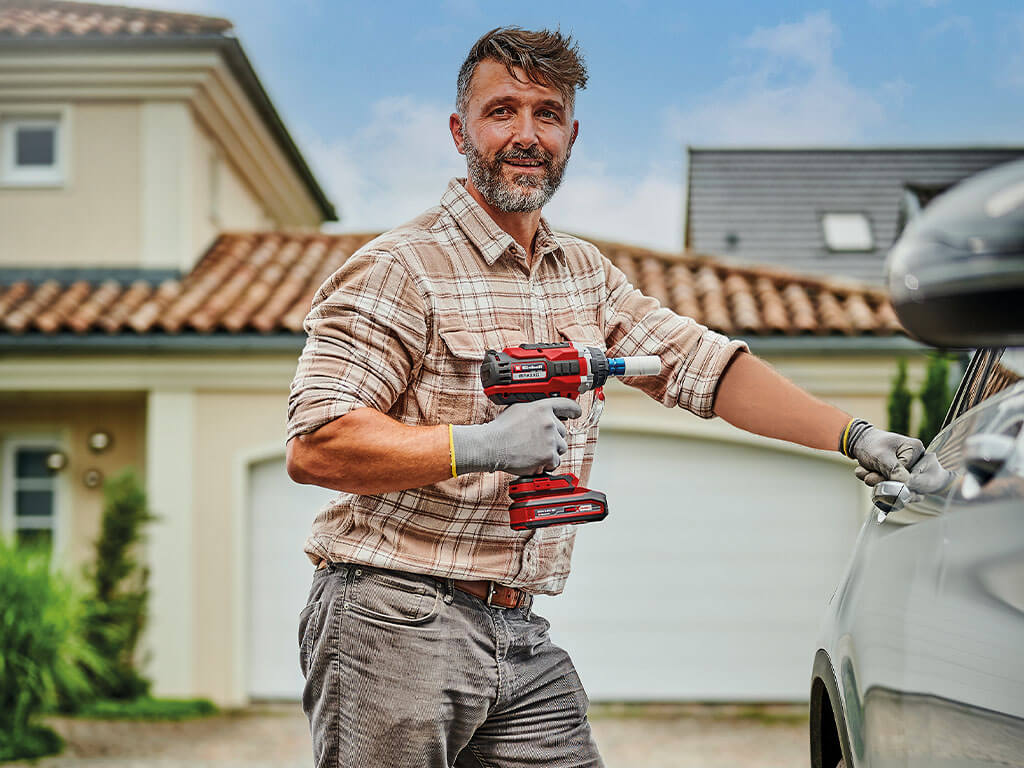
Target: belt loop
490,594
449,591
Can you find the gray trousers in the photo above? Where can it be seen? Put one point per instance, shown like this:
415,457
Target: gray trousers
404,671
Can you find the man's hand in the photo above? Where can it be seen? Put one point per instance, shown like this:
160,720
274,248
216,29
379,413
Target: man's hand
926,476
883,455
524,439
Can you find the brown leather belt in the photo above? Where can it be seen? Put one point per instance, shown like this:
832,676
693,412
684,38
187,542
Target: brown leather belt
488,591
493,594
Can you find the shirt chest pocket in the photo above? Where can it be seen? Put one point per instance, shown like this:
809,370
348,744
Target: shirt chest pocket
459,393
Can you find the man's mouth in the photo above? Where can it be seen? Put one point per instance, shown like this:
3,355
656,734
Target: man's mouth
518,163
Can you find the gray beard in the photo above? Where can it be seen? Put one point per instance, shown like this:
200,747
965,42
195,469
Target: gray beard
525,192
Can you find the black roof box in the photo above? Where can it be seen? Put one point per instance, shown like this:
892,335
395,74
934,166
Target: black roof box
956,274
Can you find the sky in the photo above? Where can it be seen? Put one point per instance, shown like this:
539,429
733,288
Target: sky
365,88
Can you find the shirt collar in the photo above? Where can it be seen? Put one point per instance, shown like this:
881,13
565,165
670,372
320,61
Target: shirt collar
490,239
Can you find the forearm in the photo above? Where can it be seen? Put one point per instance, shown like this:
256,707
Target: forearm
366,451
751,395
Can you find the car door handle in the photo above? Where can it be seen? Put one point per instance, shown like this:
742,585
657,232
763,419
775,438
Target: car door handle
985,455
889,496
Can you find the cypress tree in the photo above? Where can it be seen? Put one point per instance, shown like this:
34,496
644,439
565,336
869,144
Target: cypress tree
936,395
900,399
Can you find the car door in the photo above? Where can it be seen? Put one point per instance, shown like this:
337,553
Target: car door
975,702
891,630
885,628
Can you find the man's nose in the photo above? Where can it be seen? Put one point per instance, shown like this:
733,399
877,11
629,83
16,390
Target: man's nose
525,131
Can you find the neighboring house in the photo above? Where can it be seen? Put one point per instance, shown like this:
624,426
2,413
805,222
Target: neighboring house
818,211
159,248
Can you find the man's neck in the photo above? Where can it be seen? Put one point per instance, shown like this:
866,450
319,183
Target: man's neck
521,226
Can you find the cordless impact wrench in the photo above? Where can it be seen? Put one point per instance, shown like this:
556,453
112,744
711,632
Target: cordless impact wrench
534,371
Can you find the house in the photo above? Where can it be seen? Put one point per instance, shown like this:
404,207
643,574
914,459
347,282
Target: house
160,245
818,211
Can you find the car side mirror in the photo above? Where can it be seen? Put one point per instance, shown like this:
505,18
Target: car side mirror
985,455
889,496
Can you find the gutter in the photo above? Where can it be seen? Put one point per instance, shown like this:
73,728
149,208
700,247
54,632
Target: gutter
292,343
212,343
833,345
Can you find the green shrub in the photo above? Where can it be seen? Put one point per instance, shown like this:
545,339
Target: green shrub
42,652
116,612
900,399
936,395
146,708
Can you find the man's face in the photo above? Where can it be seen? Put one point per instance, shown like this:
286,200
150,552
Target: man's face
516,136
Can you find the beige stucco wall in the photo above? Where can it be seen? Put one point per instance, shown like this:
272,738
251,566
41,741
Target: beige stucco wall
221,198
93,219
71,418
231,429
141,190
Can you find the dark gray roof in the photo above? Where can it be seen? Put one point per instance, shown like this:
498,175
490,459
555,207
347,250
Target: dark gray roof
764,206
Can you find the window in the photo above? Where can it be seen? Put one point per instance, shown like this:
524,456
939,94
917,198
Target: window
31,148
991,371
915,198
31,494
847,232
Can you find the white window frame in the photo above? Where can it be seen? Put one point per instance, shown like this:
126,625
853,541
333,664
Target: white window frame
16,116
855,248
8,523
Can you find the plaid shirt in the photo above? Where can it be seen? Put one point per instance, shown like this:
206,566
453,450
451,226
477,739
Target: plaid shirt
402,327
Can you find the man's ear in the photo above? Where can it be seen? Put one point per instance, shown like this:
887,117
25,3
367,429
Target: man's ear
575,132
456,127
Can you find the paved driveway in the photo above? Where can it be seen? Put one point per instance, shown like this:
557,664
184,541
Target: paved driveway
277,736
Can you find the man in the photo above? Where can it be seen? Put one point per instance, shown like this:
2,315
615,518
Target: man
418,644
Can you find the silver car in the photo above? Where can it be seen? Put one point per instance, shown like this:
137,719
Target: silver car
921,654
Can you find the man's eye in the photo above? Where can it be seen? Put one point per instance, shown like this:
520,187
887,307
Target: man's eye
500,111
547,114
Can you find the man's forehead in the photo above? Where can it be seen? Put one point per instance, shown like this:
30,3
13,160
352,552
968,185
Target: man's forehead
492,79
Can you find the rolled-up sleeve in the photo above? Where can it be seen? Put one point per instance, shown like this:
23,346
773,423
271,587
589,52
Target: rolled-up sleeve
693,358
365,337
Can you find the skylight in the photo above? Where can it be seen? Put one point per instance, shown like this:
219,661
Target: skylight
847,232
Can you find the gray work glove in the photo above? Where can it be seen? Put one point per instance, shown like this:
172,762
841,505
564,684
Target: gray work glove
885,455
524,439
927,476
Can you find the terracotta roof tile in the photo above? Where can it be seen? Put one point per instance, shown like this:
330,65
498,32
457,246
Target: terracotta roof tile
773,308
712,299
805,320
67,302
116,314
22,316
264,282
61,19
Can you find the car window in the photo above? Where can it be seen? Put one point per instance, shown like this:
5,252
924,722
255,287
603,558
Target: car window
1005,371
970,384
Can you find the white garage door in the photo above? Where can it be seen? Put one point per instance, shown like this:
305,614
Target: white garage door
707,581
281,513
710,575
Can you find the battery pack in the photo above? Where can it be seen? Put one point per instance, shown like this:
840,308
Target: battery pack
547,499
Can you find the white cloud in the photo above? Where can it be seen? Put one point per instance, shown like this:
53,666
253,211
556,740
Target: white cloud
397,165
961,24
645,209
390,170
790,93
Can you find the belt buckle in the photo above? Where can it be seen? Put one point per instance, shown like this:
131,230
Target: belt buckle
490,594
